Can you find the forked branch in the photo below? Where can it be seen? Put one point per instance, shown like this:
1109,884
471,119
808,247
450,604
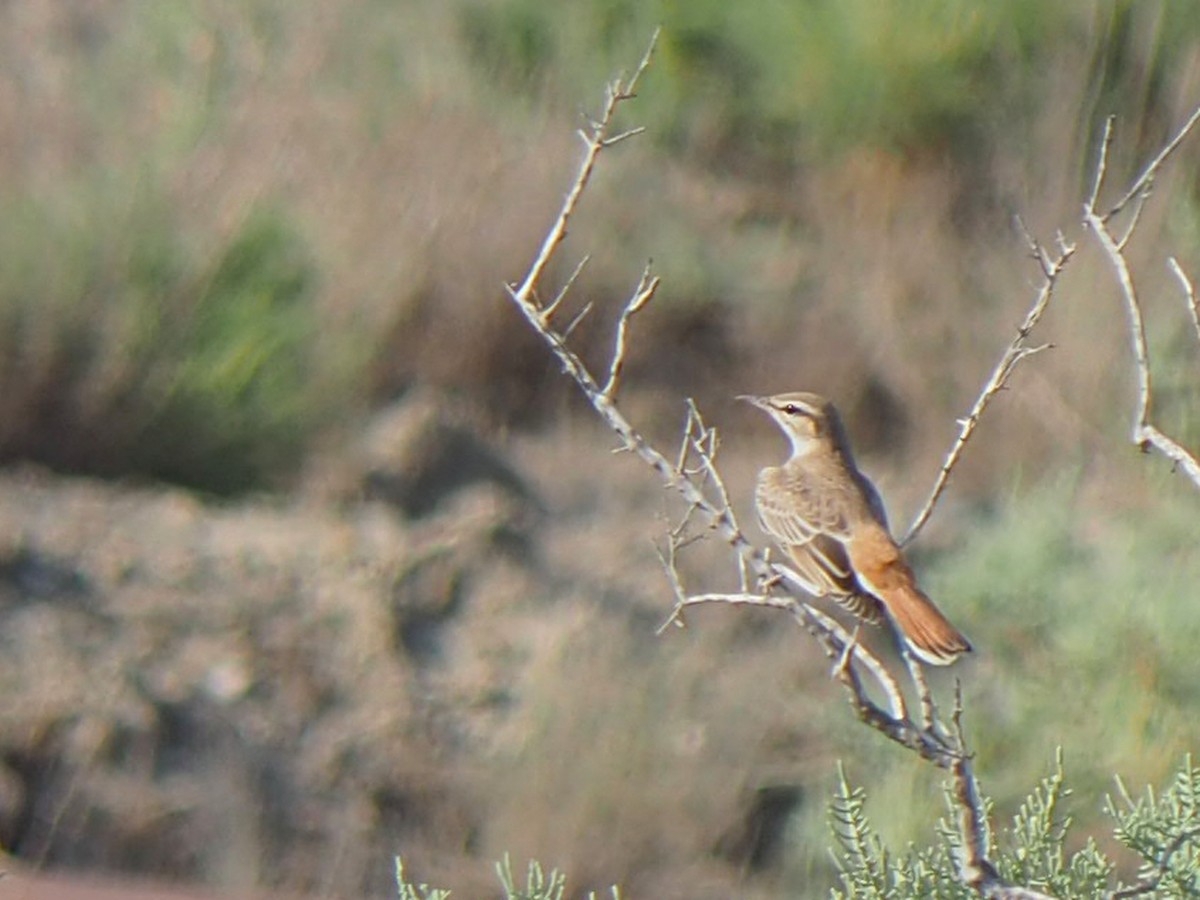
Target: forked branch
1144,433
694,476
1051,267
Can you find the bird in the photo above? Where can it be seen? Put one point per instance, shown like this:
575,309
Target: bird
829,519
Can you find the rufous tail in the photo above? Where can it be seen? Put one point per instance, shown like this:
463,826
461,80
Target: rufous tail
881,569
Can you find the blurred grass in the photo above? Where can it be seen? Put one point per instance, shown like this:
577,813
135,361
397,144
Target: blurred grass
231,228
385,145
127,352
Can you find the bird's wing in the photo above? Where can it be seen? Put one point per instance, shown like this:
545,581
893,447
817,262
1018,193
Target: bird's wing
799,516
794,505
874,500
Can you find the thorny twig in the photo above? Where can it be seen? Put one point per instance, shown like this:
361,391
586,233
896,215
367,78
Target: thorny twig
595,139
1051,267
1144,434
1146,179
695,476
1189,292
694,482
644,293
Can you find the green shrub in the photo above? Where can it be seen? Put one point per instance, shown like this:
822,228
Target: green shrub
770,78
124,350
1083,616
539,885
1032,851
231,404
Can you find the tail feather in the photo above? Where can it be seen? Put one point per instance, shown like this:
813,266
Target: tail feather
881,569
929,633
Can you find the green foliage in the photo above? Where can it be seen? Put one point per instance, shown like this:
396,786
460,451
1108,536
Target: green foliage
1164,828
1032,851
863,861
124,349
408,891
233,362
539,884
768,80
1084,613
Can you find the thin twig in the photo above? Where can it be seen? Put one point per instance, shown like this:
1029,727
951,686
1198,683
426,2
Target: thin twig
624,135
1134,218
1146,179
1189,292
552,306
643,295
579,317
1101,162
708,461
617,93
1015,352
1144,434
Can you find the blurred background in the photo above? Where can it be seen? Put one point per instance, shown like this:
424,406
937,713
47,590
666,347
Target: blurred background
310,556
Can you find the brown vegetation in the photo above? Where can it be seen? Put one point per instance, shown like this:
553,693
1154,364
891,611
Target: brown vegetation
285,691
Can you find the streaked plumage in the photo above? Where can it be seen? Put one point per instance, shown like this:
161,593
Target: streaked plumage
828,517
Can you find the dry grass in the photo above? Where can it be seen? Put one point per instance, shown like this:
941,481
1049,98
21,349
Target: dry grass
881,276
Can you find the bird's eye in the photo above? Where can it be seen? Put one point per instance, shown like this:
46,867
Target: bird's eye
792,409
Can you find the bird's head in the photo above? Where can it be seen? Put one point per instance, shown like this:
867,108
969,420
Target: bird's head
810,422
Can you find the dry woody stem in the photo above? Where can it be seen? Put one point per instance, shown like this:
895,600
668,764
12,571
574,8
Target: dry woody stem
1051,267
1144,434
692,472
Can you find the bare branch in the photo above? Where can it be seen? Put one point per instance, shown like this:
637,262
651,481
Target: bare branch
1101,162
1016,351
1134,218
974,867
595,141
977,871
1189,292
644,293
924,695
1144,434
553,305
579,317
694,475
853,650
1144,181
616,139
1180,456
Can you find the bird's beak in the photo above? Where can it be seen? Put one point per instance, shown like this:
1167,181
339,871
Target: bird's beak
760,402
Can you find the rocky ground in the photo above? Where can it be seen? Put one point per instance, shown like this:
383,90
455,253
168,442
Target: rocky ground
442,647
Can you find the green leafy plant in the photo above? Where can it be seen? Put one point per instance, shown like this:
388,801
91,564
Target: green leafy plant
231,365
539,884
1163,830
127,349
408,891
